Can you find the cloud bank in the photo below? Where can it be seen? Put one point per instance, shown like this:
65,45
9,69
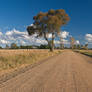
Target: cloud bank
22,38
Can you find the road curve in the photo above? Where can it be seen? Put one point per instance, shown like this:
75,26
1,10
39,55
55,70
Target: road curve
68,72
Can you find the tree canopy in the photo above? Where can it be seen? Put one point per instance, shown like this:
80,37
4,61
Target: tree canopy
48,23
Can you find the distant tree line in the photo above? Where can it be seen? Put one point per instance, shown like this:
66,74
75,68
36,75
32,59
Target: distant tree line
80,47
15,46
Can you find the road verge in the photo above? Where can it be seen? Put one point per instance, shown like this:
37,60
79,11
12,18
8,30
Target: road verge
7,76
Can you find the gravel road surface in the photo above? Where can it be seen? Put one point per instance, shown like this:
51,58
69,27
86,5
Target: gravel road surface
67,72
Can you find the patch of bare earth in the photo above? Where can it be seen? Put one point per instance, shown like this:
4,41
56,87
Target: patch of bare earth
67,72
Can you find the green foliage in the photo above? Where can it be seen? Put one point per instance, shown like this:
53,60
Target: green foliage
14,46
26,47
0,47
85,47
78,47
43,47
7,47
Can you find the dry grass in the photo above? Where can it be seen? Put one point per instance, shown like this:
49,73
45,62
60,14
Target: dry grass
11,59
86,52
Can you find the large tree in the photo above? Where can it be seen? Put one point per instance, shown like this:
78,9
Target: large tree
48,23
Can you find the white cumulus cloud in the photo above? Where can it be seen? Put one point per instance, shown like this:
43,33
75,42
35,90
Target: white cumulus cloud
77,42
2,41
22,38
64,34
88,38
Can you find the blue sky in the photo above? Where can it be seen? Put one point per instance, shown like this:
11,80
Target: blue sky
15,13
19,13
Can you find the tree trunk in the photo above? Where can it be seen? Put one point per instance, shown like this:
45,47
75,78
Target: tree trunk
49,44
52,42
52,46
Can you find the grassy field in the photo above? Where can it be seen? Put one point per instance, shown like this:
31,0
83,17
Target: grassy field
85,52
14,59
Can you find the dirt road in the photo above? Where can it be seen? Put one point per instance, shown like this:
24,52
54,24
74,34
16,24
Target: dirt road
67,72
